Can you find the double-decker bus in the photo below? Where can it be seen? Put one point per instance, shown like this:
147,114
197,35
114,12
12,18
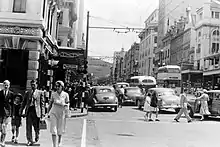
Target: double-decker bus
143,81
169,76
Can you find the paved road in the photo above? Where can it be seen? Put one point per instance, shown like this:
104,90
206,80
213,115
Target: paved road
127,128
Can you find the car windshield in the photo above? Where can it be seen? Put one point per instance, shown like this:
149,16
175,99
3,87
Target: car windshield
162,93
134,90
104,90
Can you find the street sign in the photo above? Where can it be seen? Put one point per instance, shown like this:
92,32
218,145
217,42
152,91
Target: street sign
69,66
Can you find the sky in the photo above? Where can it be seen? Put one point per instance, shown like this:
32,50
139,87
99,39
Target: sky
115,13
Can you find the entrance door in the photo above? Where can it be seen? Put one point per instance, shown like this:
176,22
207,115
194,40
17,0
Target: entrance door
14,67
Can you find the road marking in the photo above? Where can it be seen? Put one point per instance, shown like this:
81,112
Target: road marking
83,140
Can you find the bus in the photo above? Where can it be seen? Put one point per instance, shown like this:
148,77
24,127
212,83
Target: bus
143,81
169,76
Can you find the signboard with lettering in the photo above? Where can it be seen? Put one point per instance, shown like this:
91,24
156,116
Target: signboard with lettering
69,66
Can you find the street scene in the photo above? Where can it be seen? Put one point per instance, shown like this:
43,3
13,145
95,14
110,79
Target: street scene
109,73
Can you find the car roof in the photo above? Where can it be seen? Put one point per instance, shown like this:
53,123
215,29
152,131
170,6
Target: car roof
120,83
161,89
103,87
132,87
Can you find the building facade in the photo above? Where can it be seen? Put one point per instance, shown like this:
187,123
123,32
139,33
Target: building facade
148,44
169,14
207,44
28,39
118,65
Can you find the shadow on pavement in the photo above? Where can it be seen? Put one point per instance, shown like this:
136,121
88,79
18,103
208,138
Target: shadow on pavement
19,144
161,111
100,110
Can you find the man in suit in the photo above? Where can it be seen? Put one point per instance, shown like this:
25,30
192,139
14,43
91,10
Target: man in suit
6,101
183,104
34,110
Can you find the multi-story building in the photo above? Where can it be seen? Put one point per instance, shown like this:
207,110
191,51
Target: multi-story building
118,64
148,43
207,56
28,34
169,13
131,61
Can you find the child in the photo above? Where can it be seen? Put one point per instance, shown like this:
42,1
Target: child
147,107
16,118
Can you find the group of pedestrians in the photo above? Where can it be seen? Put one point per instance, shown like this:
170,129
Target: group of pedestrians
151,105
32,106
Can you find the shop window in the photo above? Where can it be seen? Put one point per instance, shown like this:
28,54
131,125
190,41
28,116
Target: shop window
19,6
198,49
155,39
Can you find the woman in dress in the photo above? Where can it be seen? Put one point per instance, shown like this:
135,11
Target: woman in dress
204,109
59,104
147,107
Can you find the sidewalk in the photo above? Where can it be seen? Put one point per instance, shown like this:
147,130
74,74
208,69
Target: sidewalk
71,138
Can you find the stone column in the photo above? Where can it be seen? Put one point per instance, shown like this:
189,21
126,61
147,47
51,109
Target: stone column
33,63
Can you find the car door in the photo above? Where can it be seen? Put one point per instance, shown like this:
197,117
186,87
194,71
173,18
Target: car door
215,106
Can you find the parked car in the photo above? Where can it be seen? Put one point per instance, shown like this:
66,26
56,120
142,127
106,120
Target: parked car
134,95
167,98
213,104
103,96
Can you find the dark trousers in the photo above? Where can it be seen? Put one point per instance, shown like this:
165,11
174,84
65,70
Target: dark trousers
32,120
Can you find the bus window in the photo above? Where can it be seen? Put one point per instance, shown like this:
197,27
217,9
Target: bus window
173,70
148,81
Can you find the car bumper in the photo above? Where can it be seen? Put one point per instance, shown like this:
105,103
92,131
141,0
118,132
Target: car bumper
128,101
105,105
170,107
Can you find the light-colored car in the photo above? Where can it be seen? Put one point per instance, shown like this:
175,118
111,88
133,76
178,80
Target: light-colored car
213,104
167,98
124,84
104,96
134,95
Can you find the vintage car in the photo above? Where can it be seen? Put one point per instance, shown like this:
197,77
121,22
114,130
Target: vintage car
103,96
213,104
124,84
167,98
134,95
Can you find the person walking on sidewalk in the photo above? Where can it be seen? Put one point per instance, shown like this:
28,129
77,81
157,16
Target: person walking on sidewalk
183,104
16,117
59,103
6,100
34,106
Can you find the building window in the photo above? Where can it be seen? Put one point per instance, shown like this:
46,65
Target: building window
198,49
215,47
155,39
215,33
213,14
217,15
199,34
200,16
19,6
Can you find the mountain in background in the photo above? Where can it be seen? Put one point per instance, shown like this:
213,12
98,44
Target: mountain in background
98,67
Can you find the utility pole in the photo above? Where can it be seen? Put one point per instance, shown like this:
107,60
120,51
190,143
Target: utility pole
85,71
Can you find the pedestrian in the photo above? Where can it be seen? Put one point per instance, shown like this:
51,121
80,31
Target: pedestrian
6,101
154,104
121,95
147,107
34,107
16,117
57,113
204,109
183,104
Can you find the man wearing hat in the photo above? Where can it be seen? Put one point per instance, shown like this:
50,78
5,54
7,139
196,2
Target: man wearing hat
34,110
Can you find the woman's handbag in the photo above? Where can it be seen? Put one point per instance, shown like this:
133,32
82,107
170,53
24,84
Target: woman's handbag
43,125
67,112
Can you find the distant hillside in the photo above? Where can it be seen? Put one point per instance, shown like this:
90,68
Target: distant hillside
98,67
